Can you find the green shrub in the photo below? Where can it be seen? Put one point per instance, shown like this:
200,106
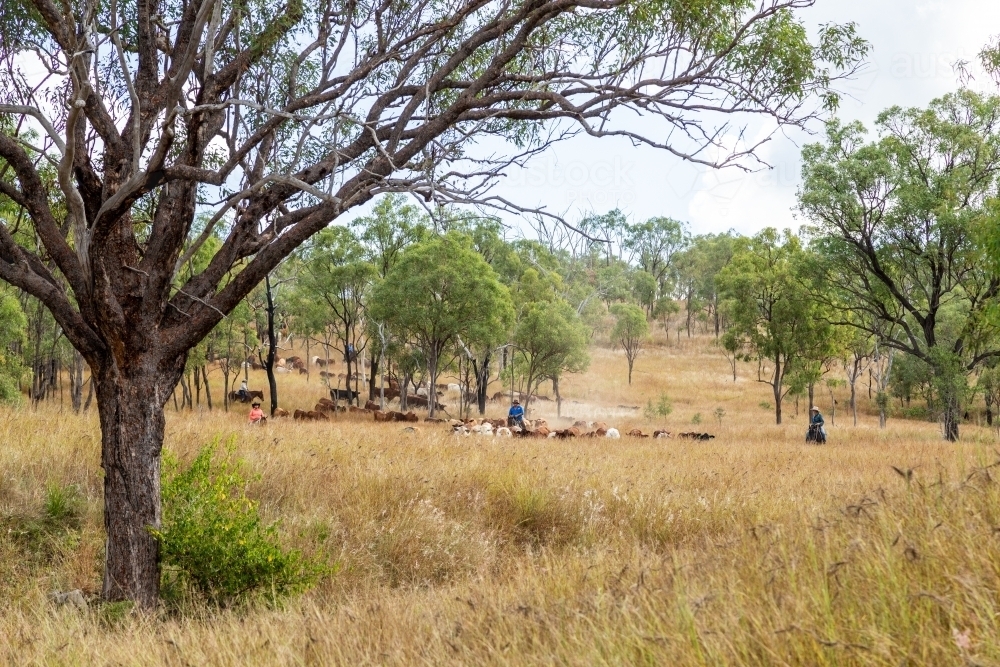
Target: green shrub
63,507
213,541
662,408
719,414
696,419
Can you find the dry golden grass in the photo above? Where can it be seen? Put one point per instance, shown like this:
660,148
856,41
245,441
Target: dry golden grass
752,549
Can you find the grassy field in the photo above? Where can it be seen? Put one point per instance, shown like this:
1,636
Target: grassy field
751,549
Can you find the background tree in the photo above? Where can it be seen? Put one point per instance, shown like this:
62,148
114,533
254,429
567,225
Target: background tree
631,332
550,341
334,285
439,291
769,313
897,220
654,245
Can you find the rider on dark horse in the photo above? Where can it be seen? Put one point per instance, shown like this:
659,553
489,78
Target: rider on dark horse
515,417
817,430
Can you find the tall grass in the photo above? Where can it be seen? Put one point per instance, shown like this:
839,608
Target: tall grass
751,549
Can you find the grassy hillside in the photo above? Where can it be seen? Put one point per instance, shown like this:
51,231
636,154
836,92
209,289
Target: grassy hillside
751,549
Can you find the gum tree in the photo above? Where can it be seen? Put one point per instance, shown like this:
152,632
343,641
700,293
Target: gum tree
631,332
900,222
772,317
440,293
277,119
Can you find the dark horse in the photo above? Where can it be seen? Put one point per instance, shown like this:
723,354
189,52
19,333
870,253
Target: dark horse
234,396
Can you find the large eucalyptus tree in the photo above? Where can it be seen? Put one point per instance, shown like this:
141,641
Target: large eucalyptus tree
127,118
901,223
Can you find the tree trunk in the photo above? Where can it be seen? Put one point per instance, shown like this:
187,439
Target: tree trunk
130,402
432,389
854,400
371,378
482,382
812,395
950,416
776,386
90,393
631,360
185,393
272,346
208,392
777,403
197,386
403,391
555,390
76,382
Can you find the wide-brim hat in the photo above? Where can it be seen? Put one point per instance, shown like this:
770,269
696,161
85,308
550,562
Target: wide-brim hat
814,409
517,402
256,403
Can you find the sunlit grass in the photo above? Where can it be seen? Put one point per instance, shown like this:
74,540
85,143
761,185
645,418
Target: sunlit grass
750,549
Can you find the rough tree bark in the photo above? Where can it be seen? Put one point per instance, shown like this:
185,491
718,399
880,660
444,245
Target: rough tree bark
131,393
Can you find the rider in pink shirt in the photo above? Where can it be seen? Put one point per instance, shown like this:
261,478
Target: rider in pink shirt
256,414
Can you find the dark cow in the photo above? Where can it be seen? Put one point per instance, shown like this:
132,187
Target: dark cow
343,394
422,402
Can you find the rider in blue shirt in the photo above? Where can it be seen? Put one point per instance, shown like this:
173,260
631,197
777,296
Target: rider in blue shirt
516,415
817,430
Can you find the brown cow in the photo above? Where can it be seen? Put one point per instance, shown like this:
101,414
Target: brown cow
422,402
637,433
311,415
278,412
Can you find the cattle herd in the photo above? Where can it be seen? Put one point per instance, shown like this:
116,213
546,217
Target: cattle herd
325,408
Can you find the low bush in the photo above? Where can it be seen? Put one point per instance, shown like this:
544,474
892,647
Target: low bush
213,541
661,408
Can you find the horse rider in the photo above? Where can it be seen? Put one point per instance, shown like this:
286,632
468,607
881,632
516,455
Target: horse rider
515,417
817,430
256,414
244,393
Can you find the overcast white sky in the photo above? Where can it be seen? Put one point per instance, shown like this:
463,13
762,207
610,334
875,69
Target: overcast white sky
914,47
